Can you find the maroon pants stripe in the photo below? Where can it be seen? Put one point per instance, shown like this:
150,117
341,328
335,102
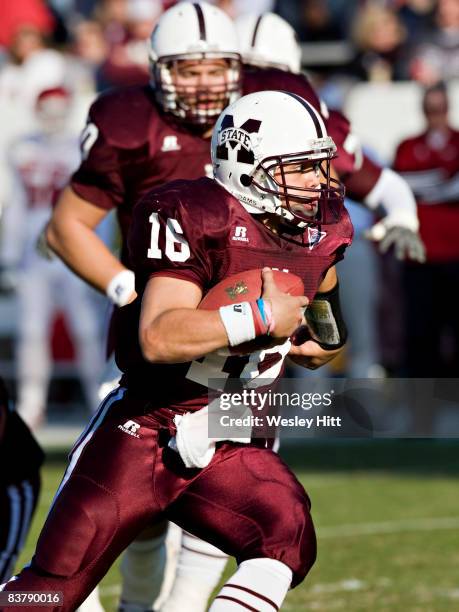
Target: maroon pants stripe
238,601
254,593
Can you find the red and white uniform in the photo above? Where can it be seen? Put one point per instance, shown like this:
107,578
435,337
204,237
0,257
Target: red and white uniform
430,164
40,169
122,474
41,166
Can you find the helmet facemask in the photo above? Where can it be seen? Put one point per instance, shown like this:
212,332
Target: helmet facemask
324,202
198,105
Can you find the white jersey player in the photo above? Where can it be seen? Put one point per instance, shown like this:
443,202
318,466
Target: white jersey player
41,164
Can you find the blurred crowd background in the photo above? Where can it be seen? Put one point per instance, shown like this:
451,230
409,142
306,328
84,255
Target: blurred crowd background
372,58
103,42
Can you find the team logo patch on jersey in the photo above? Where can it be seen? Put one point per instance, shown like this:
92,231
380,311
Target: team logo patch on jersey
131,428
170,144
231,137
240,234
238,289
314,237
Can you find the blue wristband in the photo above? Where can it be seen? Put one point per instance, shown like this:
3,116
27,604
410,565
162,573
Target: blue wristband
261,308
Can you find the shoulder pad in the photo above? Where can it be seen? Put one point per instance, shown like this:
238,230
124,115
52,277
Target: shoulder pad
125,115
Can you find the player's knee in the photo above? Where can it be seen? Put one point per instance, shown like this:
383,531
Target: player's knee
296,539
78,529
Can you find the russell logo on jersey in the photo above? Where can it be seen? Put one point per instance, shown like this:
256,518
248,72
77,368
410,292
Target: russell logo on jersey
240,234
131,428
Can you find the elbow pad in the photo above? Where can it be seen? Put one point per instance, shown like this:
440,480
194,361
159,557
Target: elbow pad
395,195
325,320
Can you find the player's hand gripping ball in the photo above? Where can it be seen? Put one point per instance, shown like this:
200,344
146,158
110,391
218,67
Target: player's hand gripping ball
246,287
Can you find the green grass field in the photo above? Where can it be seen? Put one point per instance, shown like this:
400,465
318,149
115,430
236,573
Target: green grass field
387,519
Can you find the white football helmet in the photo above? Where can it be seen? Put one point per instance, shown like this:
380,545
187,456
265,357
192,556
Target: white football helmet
194,31
268,41
269,131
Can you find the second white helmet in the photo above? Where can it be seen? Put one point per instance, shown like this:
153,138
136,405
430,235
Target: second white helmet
267,40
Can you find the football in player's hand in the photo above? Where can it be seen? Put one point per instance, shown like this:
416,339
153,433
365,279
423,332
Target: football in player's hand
246,287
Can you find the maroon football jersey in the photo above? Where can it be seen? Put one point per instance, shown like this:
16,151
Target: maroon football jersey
197,231
357,171
130,147
432,170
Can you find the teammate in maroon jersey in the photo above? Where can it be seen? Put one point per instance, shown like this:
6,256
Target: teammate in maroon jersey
142,137
278,187
268,66
20,461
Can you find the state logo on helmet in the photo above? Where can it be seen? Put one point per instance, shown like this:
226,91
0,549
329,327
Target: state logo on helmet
195,62
256,35
265,138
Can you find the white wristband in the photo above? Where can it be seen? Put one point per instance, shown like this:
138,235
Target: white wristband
121,287
238,322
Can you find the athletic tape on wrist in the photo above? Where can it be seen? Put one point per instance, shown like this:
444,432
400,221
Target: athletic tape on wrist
325,320
121,287
245,321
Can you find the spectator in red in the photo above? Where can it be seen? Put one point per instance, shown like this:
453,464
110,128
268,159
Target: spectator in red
32,13
430,164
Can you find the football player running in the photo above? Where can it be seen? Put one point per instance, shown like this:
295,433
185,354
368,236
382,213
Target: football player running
123,474
268,66
135,139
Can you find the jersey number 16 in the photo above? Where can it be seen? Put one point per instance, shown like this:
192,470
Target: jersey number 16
177,248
